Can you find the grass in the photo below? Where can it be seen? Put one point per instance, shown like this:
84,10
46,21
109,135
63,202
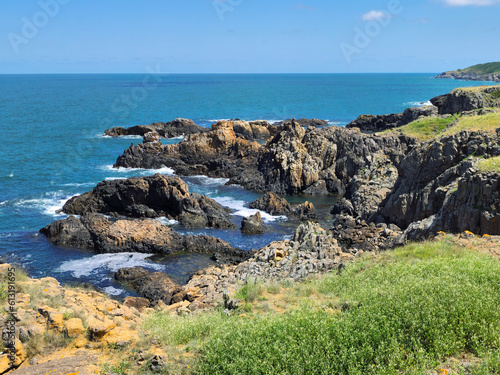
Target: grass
434,127
490,165
404,312
487,122
488,68
425,129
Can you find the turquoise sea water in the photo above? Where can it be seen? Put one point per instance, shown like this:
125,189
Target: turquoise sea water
52,146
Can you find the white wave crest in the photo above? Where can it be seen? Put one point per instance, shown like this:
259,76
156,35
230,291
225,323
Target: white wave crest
112,291
209,181
418,104
143,172
48,204
241,210
107,263
166,221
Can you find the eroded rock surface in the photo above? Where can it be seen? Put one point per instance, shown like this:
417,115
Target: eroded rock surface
171,129
152,196
98,233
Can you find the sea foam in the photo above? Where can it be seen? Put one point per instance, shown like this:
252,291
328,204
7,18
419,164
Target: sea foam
241,210
107,262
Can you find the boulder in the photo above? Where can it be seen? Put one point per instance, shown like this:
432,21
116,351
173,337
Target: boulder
253,224
305,211
152,196
96,232
272,204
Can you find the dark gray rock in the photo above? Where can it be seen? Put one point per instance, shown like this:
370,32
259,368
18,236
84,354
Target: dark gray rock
253,224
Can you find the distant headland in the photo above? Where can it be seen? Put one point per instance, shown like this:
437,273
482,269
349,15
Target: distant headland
480,72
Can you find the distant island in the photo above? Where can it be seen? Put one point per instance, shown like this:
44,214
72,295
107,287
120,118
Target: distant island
480,72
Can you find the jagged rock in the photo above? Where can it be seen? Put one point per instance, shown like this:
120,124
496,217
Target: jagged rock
152,286
272,204
171,129
150,137
259,129
467,99
429,174
217,153
144,236
152,196
253,224
305,211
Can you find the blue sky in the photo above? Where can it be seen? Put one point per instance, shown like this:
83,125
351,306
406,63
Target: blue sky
246,36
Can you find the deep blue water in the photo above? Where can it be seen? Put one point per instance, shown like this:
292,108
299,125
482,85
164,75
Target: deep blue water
52,148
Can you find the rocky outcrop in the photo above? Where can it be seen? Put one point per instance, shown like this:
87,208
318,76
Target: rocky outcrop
355,234
175,128
98,233
373,124
217,153
152,196
275,205
272,204
305,211
253,224
253,130
154,286
305,122
436,178
470,76
311,250
467,99
294,160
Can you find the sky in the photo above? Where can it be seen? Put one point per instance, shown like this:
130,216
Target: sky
246,36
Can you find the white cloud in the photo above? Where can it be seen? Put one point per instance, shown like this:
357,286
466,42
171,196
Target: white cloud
462,3
374,15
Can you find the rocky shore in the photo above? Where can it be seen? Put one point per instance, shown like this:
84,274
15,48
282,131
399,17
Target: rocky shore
470,76
386,187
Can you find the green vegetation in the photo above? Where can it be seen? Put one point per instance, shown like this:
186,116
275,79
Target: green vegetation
403,312
426,128
489,165
496,94
487,122
488,68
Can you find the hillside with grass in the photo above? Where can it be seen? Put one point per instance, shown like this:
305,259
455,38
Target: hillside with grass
480,72
424,307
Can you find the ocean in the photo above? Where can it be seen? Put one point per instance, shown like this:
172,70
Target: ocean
53,148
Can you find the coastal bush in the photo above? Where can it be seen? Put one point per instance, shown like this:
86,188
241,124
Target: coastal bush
406,312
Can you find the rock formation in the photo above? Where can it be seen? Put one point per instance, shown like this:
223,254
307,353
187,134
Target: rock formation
253,224
253,130
467,99
175,128
98,233
373,124
152,196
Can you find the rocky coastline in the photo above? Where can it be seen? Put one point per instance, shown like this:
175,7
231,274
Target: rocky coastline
387,188
470,76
